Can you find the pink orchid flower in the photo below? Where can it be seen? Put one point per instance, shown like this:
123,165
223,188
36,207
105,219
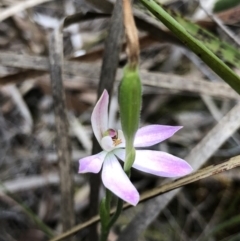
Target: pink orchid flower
112,142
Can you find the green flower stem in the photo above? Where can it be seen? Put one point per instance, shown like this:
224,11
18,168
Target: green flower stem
108,200
106,229
104,234
195,45
117,213
106,221
130,157
105,216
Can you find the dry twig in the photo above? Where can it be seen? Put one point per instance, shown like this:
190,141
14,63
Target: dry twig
201,174
62,142
40,65
197,157
20,7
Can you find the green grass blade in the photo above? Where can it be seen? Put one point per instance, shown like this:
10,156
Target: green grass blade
222,5
195,45
226,52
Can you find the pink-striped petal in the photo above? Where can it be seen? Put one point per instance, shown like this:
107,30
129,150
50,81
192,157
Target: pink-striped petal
92,163
116,180
161,164
153,134
99,116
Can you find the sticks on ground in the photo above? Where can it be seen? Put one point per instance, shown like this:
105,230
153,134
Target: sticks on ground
197,157
62,143
201,174
20,7
40,65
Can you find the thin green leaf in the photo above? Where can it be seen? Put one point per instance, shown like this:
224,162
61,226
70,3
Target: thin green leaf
222,5
194,44
226,52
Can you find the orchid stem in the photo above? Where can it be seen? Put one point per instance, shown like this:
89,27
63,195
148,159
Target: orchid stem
105,215
106,221
117,213
108,200
130,157
104,235
106,227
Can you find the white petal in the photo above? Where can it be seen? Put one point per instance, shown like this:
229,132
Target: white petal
153,134
116,180
120,153
107,143
92,163
161,164
99,116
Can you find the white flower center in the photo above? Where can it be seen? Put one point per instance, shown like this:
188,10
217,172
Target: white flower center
111,139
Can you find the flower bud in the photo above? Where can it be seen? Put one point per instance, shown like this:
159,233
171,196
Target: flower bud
130,100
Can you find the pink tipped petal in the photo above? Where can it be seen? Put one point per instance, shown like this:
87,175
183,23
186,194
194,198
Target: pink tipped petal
153,134
116,180
99,116
107,143
92,163
161,164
